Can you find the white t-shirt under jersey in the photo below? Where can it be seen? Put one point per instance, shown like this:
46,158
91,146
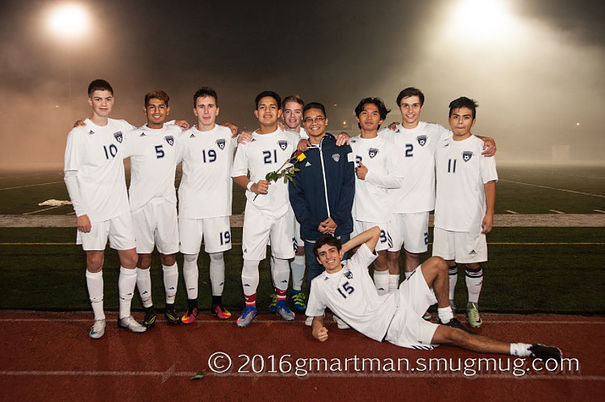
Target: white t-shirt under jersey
461,173
372,202
95,153
154,154
351,295
205,189
415,150
264,154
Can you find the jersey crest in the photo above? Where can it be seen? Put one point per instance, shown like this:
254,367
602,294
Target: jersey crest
372,152
118,136
169,139
348,275
466,156
221,143
283,144
336,157
421,140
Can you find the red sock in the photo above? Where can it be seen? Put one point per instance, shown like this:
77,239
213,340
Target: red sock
281,294
250,300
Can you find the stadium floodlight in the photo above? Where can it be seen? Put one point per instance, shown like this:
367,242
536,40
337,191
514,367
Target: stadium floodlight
68,20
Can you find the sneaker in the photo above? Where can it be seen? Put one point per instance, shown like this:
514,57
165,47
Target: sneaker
472,315
150,316
273,303
309,321
98,329
190,316
282,310
131,324
539,351
172,318
340,323
297,298
221,312
248,315
454,323
427,316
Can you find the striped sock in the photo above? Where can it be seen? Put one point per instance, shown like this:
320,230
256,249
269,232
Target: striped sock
250,300
281,294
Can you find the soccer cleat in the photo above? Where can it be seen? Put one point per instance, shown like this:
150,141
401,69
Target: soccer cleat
454,323
247,316
539,351
221,312
282,310
98,329
172,318
273,303
150,316
131,324
190,316
340,323
472,315
297,298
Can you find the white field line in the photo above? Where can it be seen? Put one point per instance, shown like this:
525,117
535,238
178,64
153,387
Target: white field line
599,211
31,185
554,188
42,210
556,211
512,212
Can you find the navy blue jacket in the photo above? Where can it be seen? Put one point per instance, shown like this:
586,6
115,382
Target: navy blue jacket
324,187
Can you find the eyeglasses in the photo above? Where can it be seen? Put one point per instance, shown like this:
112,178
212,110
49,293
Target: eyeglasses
310,120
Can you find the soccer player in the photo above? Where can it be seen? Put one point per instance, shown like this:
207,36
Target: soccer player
464,208
155,149
348,291
205,201
268,216
94,177
374,158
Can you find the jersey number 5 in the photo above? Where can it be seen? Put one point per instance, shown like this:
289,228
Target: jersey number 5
346,287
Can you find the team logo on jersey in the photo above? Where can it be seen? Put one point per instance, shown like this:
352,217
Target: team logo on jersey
221,143
336,157
282,144
421,140
349,275
118,136
372,152
466,156
169,139
308,164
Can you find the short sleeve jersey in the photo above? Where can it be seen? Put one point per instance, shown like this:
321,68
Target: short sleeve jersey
154,155
95,153
264,154
461,173
415,149
205,189
351,294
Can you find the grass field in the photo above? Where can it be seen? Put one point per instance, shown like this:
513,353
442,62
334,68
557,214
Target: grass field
526,276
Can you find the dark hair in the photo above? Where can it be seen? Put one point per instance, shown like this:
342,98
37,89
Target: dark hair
264,94
410,91
326,239
99,85
293,98
202,92
382,109
161,95
463,101
315,105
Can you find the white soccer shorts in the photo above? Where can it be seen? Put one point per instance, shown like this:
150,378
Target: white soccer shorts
156,224
216,233
118,230
463,247
410,230
385,241
260,228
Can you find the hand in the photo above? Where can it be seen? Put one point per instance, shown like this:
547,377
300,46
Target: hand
83,223
342,139
79,123
328,226
393,125
361,171
303,145
244,137
489,146
234,129
487,223
182,123
321,334
262,187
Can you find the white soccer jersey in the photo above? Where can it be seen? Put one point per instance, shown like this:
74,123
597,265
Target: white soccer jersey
205,189
264,154
461,173
302,134
154,154
351,295
415,149
372,202
95,153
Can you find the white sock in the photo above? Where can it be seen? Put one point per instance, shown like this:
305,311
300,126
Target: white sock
171,281
381,281
474,282
520,349
94,283
127,281
298,271
445,314
393,282
217,273
250,277
453,271
144,285
408,274
280,271
191,275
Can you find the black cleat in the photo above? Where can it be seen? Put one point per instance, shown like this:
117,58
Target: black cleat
539,351
172,318
454,323
150,316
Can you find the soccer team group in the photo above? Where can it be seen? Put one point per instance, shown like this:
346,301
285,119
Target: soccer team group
313,197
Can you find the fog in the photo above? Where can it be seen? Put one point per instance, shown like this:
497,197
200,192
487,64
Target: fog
536,69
